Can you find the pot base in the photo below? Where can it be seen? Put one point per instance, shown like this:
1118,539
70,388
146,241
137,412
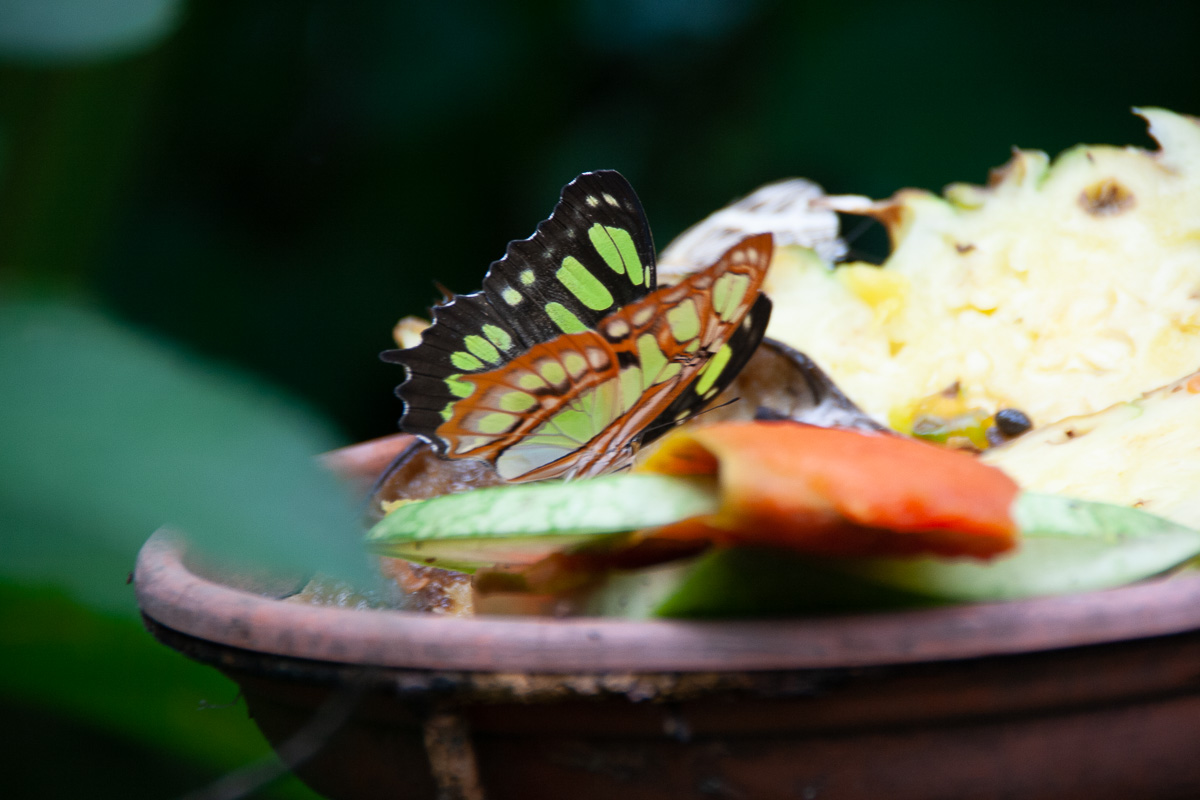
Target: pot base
1109,721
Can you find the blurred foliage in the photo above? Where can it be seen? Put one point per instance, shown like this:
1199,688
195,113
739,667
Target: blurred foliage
102,707
272,183
286,179
108,437
58,31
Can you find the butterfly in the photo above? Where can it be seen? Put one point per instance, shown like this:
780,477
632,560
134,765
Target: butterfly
571,357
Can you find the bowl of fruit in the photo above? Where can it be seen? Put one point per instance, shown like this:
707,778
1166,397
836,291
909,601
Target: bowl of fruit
748,519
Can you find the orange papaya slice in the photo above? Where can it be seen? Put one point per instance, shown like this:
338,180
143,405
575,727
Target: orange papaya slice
837,492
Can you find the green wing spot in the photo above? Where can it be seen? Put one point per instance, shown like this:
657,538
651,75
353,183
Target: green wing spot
531,382
465,361
527,277
496,422
447,412
458,387
544,437
684,321
606,247
671,370
511,296
575,364
652,358
605,410
482,348
564,319
720,295
573,423
553,372
517,402
499,336
712,370
616,247
583,284
631,388
728,294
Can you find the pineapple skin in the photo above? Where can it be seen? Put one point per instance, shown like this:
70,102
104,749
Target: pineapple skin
1059,288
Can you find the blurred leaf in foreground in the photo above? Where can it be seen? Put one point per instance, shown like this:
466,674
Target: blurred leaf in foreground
52,31
107,435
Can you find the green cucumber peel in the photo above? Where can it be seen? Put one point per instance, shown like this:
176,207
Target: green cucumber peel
1066,545
741,582
519,524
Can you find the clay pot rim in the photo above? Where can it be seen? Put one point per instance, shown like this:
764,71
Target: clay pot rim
174,596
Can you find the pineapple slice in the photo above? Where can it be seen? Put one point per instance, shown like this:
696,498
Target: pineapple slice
1140,453
1059,289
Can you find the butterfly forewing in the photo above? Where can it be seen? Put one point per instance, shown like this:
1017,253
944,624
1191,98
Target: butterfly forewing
592,255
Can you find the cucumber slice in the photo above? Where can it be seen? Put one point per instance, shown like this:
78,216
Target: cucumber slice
742,582
1066,546
515,525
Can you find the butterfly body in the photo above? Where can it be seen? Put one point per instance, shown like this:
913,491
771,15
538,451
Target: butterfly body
570,357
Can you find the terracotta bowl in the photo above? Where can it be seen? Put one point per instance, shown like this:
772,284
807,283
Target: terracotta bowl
1092,695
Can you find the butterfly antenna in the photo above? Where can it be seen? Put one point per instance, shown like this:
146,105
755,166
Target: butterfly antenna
697,415
447,295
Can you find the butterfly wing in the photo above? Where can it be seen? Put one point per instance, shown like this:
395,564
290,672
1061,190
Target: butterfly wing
593,255
717,374
579,404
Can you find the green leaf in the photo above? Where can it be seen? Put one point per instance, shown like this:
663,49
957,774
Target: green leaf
56,31
1067,545
108,435
109,676
520,524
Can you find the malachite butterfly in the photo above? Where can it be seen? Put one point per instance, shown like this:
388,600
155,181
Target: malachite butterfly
571,357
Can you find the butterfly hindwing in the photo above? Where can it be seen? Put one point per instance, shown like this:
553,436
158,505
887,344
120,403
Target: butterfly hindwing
717,374
578,405
682,345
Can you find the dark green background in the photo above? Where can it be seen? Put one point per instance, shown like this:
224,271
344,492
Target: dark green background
282,181
273,184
